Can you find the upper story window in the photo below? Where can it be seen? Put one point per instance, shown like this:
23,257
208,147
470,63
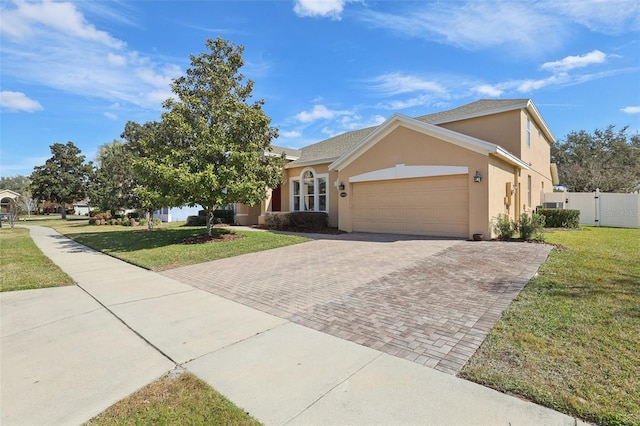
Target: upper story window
309,192
528,133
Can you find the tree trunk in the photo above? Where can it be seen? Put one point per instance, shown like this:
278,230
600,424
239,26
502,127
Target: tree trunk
149,216
209,221
64,211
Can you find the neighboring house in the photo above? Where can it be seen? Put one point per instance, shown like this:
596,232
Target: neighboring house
82,208
446,174
176,214
6,196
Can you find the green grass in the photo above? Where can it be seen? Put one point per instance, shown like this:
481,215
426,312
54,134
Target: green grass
571,340
161,249
24,266
185,400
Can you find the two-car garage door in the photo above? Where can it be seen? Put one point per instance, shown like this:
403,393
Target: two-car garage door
437,206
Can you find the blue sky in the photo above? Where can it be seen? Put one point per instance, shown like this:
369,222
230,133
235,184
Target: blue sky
79,70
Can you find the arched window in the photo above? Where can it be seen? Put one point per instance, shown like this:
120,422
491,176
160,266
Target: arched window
309,192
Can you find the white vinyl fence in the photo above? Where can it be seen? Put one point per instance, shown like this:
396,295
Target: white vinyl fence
599,208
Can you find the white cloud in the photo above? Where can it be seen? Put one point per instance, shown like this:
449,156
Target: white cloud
631,110
319,112
18,101
604,16
476,25
578,61
527,28
110,115
397,83
290,134
487,90
117,60
320,8
28,18
69,54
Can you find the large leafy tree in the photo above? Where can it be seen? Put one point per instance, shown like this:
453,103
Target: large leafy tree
606,159
209,147
113,185
63,178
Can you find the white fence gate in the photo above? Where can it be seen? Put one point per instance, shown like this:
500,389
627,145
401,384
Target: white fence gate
599,208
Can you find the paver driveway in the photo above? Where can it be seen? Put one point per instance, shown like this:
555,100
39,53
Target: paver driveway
431,301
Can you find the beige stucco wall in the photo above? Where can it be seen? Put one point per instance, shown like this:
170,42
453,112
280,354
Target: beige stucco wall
502,129
509,130
412,148
502,201
247,215
538,156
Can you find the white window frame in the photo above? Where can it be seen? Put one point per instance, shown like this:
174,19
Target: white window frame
316,195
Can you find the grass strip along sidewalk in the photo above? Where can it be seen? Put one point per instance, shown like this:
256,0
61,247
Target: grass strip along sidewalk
24,266
571,339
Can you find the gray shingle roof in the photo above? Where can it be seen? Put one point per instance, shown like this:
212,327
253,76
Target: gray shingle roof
332,148
289,152
474,109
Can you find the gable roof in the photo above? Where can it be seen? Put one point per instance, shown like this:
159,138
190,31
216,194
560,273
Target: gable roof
330,150
473,144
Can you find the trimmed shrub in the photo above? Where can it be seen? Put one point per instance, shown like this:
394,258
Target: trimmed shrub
142,221
504,227
157,221
224,216
309,221
126,222
219,216
196,220
531,227
277,220
560,218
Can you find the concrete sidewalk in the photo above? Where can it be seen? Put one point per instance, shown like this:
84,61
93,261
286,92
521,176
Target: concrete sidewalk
69,353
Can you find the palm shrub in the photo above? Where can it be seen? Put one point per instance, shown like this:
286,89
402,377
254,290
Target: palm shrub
531,227
504,227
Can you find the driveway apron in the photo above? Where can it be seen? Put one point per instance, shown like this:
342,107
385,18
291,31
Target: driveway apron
430,301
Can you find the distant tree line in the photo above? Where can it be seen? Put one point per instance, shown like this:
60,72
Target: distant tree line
605,159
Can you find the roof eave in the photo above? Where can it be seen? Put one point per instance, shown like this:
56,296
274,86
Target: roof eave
505,155
298,163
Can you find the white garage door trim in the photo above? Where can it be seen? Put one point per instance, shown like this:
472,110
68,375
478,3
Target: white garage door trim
401,171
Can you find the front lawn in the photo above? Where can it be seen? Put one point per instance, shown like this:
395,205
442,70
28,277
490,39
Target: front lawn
571,339
24,266
166,248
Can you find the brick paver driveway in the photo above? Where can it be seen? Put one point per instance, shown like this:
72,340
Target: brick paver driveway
431,301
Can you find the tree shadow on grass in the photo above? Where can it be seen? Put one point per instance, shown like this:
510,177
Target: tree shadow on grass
131,241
